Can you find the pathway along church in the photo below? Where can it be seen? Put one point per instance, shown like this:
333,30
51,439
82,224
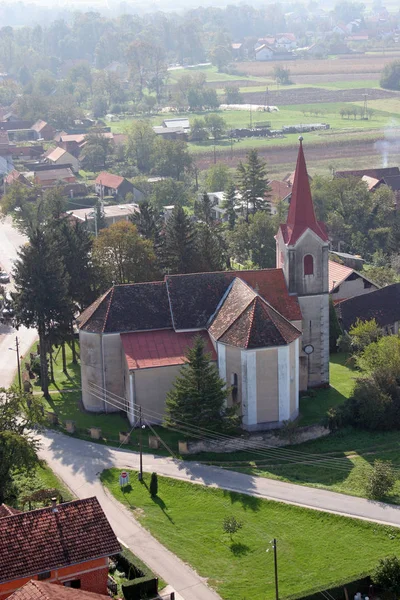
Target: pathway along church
267,330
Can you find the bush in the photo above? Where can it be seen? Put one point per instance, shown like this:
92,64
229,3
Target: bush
154,484
381,480
387,574
390,78
231,525
142,581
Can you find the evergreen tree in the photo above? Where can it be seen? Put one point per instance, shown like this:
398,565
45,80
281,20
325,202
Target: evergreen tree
199,394
179,247
41,297
154,484
211,248
146,221
393,244
229,205
253,184
203,209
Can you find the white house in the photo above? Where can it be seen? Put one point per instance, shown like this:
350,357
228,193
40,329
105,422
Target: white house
264,52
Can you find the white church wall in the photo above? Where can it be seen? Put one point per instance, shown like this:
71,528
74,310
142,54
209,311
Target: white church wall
284,383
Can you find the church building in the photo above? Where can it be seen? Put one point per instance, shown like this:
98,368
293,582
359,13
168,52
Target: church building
267,330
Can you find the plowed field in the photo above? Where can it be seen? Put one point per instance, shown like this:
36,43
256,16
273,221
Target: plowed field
316,95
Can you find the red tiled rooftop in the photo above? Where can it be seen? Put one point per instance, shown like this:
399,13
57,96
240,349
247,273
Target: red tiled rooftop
109,180
44,540
6,511
337,274
163,348
40,590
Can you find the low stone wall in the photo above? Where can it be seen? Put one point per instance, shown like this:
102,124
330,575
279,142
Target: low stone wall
274,438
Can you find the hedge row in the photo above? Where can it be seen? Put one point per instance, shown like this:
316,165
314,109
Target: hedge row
142,583
337,592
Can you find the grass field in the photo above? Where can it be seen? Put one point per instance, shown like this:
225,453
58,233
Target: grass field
188,518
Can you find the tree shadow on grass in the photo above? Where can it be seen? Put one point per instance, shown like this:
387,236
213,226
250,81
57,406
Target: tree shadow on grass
247,502
239,549
160,502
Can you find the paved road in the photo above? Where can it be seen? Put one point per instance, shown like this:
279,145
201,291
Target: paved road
78,462
10,241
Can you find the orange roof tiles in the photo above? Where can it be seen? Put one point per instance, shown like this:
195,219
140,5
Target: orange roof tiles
46,539
163,348
39,590
109,180
337,274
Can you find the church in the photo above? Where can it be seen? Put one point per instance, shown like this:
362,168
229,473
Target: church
267,330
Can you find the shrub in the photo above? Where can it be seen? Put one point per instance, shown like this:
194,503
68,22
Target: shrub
380,481
154,484
387,574
231,525
142,582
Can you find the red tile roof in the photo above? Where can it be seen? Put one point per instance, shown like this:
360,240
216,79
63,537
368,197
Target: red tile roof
163,348
337,274
6,511
301,210
279,190
109,180
247,321
40,590
43,540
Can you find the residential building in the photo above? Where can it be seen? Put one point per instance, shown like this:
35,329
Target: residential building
6,159
111,214
27,152
15,176
59,156
53,177
40,590
68,544
345,282
107,184
267,330
383,305
43,131
71,143
264,52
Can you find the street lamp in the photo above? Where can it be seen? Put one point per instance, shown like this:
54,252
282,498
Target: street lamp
141,426
16,349
273,544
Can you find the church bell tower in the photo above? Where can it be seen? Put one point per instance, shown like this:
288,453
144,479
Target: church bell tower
302,252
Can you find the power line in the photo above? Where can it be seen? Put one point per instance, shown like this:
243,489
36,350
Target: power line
263,450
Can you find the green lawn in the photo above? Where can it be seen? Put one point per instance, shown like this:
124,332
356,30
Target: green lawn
188,518
313,407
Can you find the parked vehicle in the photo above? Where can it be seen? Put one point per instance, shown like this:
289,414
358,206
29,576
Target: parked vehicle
4,277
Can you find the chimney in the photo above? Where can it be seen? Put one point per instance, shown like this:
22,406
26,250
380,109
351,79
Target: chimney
54,505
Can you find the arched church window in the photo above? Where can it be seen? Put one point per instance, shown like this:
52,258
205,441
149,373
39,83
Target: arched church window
234,387
308,265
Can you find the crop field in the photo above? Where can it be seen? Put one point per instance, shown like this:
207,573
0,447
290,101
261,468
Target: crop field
321,90
347,65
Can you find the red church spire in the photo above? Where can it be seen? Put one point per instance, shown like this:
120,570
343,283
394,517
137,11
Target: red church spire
301,211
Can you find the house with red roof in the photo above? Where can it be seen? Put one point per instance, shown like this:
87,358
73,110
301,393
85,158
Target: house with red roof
107,184
67,544
345,282
40,590
267,330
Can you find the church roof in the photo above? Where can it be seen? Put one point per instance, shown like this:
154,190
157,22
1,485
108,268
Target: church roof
149,349
181,302
301,214
132,307
259,326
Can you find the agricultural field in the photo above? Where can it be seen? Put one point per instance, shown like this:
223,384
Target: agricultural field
188,519
321,91
349,65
